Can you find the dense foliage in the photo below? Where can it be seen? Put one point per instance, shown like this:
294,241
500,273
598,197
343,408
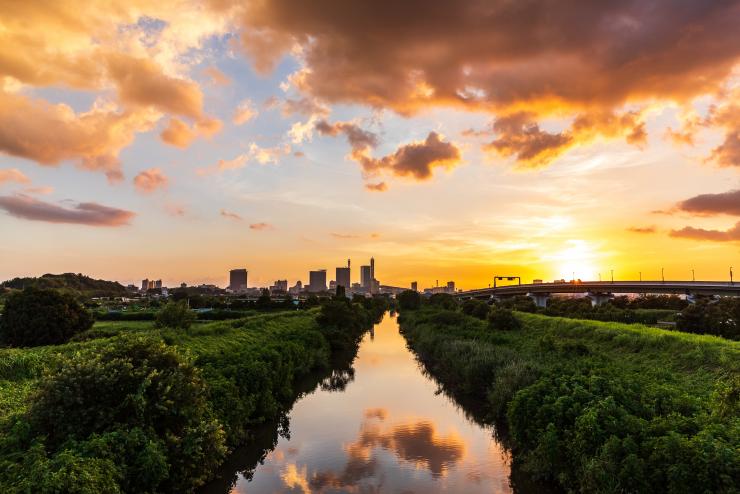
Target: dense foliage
503,320
706,316
475,308
409,300
117,413
596,407
71,282
175,315
34,317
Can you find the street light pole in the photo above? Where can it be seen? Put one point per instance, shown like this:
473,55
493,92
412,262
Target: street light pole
612,276
730,275
662,274
640,276
693,277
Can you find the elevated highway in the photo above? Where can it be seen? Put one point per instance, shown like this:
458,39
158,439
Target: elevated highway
604,289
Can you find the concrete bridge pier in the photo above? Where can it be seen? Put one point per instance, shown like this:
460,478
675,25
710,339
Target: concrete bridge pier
598,298
540,299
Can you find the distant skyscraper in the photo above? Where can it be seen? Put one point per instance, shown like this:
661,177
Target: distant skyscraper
372,268
451,287
366,277
158,284
343,278
414,286
238,280
144,285
317,280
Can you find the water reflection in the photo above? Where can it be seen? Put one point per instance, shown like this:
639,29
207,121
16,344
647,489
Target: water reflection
379,425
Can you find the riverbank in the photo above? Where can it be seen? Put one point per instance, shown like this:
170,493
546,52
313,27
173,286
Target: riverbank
596,407
232,376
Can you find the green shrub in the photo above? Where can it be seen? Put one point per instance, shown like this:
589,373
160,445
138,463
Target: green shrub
443,301
175,315
35,317
503,320
137,402
476,308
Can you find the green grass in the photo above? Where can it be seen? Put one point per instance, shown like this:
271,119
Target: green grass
596,406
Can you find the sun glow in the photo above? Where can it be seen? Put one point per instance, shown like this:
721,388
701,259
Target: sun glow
575,261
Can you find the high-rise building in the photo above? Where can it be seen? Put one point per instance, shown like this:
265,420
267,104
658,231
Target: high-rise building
343,278
414,286
372,268
158,284
144,285
317,280
450,287
238,280
366,277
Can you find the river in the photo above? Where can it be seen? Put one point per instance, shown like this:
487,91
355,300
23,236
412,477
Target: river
386,427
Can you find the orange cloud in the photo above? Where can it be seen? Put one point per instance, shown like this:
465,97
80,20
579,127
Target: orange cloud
261,226
244,112
86,213
416,160
360,140
13,175
178,133
730,235
217,77
150,180
376,187
48,134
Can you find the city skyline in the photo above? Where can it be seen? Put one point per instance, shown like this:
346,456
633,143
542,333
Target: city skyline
187,138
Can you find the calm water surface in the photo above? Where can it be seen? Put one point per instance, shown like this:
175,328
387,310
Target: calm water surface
389,430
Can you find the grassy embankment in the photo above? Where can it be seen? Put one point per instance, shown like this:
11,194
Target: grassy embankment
249,367
593,406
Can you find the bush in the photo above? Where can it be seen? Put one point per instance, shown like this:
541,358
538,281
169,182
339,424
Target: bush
35,317
409,300
137,403
521,303
443,301
175,315
475,308
503,320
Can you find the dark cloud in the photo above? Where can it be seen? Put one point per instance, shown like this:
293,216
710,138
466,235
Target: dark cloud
712,204
499,54
715,235
728,153
359,139
416,160
86,213
522,138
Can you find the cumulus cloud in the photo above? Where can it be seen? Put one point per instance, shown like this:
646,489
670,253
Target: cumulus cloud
49,134
714,235
13,175
712,204
150,180
244,112
261,226
178,133
230,215
519,136
359,139
86,213
416,160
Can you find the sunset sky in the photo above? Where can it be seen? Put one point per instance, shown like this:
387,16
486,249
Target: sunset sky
177,139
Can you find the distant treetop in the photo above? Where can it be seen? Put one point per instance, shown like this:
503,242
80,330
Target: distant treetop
69,281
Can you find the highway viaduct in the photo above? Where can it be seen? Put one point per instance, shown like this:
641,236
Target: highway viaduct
601,291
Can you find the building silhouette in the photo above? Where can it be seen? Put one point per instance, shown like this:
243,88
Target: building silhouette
317,280
344,277
238,280
414,286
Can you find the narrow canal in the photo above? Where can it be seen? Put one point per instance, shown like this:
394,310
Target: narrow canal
389,429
